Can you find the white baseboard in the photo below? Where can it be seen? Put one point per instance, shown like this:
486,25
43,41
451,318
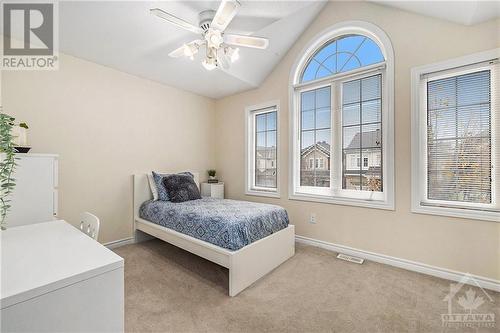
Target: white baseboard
120,242
443,273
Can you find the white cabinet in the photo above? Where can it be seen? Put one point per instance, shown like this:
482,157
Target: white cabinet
57,279
214,190
35,196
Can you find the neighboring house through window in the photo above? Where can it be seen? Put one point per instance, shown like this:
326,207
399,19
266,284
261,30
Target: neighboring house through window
262,150
342,117
455,139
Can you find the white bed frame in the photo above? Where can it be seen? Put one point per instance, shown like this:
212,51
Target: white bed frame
245,265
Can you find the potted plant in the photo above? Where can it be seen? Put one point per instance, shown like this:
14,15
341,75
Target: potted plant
7,165
211,176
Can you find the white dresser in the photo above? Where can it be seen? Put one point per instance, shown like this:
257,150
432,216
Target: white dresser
54,278
35,196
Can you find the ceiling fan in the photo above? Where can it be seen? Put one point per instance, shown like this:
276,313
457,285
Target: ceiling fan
221,48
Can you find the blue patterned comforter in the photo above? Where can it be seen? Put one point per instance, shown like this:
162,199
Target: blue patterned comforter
226,223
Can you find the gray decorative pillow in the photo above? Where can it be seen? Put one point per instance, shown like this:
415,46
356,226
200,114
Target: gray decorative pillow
181,188
158,180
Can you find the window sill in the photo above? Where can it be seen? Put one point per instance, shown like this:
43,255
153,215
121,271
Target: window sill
269,194
456,212
377,204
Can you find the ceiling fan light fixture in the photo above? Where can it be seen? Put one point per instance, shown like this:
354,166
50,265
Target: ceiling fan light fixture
214,38
209,64
223,60
187,51
233,54
190,50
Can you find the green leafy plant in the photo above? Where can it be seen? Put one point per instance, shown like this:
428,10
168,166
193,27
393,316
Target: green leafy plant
211,173
7,165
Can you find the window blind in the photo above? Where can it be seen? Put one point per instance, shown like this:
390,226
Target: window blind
362,134
461,108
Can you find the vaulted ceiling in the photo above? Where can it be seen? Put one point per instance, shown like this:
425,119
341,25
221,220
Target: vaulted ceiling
125,36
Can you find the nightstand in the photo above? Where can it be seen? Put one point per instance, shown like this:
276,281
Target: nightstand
213,190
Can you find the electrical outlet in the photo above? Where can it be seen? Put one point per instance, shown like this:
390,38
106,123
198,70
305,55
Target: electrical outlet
312,218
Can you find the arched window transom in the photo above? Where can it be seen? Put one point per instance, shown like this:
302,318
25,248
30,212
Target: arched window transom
340,55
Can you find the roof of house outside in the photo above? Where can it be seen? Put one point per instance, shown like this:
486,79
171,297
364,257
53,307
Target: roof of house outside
368,140
322,146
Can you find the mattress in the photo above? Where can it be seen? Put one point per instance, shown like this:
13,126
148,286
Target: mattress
226,223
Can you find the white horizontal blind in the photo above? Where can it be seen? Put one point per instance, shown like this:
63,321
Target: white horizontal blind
461,107
362,134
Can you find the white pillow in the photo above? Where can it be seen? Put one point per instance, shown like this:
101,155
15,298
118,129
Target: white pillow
152,186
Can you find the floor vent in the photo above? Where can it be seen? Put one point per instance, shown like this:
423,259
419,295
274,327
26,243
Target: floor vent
355,260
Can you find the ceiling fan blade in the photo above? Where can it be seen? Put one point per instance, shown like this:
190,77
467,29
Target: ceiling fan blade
246,41
175,20
225,13
178,52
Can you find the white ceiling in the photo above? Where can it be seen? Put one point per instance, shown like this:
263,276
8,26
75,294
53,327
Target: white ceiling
125,36
466,12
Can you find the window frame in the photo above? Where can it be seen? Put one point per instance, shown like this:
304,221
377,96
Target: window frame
335,194
450,68
250,114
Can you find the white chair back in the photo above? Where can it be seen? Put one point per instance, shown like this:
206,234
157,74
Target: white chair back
89,224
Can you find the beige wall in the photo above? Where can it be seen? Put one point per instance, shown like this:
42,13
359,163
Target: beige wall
459,244
106,125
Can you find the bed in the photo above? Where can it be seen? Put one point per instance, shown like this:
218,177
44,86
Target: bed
250,239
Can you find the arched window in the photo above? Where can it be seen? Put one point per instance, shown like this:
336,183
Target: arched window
342,110
342,55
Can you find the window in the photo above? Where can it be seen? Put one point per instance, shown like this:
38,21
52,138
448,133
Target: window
455,112
262,150
315,135
361,132
342,112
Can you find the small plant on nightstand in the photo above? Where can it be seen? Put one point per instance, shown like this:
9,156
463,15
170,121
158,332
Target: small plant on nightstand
211,176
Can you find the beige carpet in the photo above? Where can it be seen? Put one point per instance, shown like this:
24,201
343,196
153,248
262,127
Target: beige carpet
170,290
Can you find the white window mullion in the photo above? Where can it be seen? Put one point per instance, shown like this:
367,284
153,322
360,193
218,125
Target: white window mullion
336,161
